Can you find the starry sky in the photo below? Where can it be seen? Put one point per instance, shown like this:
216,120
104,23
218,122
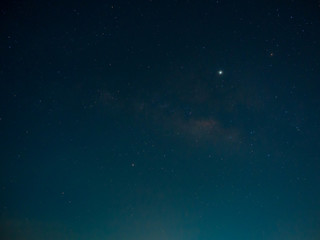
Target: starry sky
160,120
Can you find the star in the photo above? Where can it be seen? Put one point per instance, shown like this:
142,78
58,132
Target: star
220,72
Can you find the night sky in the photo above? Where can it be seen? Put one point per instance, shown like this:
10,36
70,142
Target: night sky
160,120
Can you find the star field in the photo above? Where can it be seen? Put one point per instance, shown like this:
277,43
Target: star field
160,120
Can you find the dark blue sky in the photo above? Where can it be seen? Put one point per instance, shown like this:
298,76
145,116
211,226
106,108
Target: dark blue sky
116,124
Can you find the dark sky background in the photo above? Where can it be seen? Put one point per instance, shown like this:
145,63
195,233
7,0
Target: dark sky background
116,124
